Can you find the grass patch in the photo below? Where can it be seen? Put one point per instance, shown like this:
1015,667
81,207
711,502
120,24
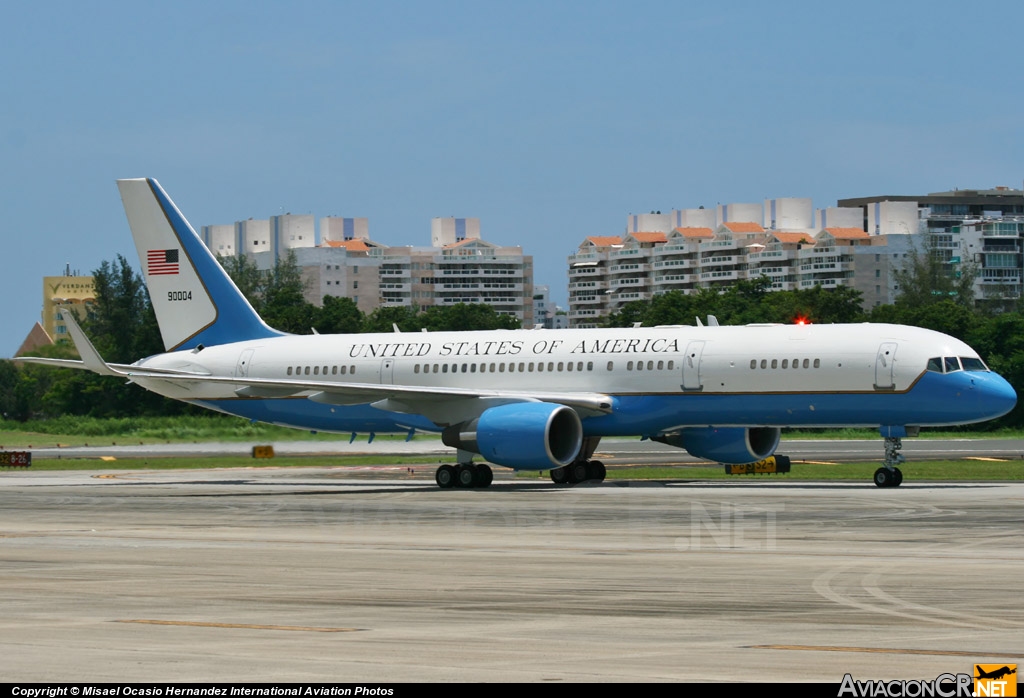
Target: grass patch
948,470
193,463
85,431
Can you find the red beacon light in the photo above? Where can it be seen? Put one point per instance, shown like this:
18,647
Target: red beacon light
801,321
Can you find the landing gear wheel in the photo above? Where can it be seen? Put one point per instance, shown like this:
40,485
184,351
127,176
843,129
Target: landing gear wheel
465,475
484,476
898,477
596,470
578,472
560,476
445,477
885,478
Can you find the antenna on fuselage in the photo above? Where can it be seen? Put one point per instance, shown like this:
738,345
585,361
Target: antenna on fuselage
394,326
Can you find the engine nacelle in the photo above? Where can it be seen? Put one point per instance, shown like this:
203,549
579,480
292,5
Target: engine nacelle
521,435
726,444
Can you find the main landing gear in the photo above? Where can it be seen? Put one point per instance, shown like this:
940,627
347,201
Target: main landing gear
467,475
580,471
583,468
889,475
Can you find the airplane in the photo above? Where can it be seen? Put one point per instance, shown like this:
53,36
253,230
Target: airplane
537,399
995,674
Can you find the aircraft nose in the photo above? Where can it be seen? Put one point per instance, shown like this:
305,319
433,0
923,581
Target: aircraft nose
997,395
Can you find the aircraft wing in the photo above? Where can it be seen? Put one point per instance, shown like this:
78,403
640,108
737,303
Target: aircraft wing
441,405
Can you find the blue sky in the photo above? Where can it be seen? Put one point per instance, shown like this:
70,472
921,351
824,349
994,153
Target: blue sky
549,121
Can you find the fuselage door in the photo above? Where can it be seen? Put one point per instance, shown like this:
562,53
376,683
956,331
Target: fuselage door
244,360
885,362
691,366
387,371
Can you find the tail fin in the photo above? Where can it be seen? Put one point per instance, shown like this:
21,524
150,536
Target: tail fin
196,302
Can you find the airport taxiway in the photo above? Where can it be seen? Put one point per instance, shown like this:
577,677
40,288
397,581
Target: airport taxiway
322,574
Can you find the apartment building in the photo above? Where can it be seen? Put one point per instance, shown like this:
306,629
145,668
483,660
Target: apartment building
341,260
778,240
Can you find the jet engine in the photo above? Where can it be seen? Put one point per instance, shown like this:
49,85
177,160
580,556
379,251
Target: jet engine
521,435
735,445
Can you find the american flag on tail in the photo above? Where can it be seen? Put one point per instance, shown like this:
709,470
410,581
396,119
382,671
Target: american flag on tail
159,262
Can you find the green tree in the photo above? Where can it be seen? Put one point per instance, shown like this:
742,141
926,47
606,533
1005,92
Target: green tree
383,318
466,316
926,279
339,316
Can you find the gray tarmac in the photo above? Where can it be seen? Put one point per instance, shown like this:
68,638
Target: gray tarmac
375,575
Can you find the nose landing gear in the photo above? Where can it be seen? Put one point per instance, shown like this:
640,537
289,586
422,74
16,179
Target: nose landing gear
889,475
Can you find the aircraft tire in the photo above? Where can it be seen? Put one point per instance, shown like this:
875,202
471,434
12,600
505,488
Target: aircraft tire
445,477
465,475
898,479
484,476
578,472
883,478
560,476
596,470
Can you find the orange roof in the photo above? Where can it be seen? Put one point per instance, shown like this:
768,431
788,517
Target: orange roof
793,237
740,227
350,245
696,232
604,241
847,233
648,237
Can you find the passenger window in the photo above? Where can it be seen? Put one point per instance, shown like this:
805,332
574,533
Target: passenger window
562,365
569,366
590,365
661,365
352,369
492,368
671,365
785,363
952,364
775,363
501,367
416,368
307,370
611,365
334,370
444,368
522,366
629,366
343,369
650,365
289,370
806,363
764,363
817,363
316,370
540,366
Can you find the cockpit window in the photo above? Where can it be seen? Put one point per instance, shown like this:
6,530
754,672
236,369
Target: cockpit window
973,364
952,364
935,364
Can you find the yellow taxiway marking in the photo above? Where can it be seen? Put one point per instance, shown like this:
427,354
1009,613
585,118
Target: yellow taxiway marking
883,650
984,458
245,626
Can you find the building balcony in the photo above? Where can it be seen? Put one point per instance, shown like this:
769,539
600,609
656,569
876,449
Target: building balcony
725,275
675,280
674,264
627,269
662,250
